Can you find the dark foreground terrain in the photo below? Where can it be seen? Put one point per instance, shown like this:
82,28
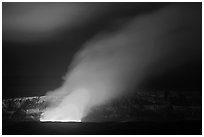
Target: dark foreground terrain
116,128
154,112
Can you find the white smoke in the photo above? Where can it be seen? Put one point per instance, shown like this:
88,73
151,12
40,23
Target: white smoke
113,63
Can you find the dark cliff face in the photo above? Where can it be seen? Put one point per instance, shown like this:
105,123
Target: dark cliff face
157,105
25,108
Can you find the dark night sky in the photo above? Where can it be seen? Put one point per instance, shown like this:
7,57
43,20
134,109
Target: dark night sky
40,39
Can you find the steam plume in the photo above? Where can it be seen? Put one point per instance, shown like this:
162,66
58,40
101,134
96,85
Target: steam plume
113,63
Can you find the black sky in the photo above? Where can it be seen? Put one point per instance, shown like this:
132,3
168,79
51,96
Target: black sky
40,39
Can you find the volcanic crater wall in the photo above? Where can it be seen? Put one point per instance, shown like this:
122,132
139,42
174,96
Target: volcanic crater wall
143,106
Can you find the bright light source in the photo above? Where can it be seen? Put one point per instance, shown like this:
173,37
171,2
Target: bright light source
50,120
70,109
